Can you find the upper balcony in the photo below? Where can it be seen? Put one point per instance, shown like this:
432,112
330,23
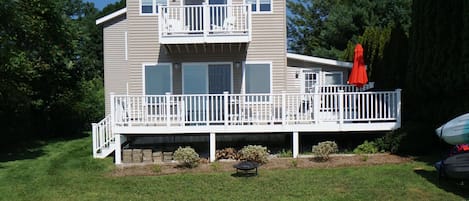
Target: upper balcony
195,24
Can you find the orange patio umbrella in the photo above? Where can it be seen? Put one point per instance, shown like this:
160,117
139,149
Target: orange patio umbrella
358,75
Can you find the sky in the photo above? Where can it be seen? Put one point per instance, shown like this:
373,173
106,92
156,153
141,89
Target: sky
100,4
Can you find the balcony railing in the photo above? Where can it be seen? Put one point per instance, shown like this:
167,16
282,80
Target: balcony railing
204,23
253,109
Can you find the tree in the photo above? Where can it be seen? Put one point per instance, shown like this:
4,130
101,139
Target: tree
50,68
324,28
436,79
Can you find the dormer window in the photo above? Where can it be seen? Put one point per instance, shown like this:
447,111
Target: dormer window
260,6
150,7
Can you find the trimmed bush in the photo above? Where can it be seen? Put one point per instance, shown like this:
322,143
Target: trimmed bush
323,149
187,157
391,141
366,148
255,153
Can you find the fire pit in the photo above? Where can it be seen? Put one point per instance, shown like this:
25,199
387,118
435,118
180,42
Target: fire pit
246,167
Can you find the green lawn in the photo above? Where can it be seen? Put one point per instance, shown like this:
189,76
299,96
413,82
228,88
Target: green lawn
65,170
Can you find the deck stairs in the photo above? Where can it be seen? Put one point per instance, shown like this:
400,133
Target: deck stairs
103,138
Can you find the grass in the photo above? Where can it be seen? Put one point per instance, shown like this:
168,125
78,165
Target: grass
66,171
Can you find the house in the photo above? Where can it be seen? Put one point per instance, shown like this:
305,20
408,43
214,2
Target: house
209,67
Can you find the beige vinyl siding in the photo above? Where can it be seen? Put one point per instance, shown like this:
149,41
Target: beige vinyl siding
143,45
115,65
269,42
293,84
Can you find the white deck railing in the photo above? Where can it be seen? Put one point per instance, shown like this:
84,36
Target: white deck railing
345,88
251,109
205,20
102,135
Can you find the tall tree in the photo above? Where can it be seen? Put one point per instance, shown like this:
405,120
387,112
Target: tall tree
50,65
437,77
324,28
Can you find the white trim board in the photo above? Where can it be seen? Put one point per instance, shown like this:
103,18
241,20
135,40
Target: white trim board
110,16
319,60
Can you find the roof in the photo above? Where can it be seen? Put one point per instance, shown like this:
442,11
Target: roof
112,15
319,60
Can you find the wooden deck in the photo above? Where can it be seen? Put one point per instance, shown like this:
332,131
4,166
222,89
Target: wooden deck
325,111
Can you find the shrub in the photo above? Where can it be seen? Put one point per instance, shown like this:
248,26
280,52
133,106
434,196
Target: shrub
255,153
227,153
366,148
285,153
390,142
323,149
215,166
294,163
157,169
187,157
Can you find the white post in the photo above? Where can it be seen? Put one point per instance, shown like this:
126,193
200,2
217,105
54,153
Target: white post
249,23
206,20
341,108
94,133
118,152
168,108
296,144
284,108
398,108
316,103
113,108
161,20
225,105
213,143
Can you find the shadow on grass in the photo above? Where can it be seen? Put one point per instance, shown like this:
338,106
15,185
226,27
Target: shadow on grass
449,185
431,159
30,149
22,152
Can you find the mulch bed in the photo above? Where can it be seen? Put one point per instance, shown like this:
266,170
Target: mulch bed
273,164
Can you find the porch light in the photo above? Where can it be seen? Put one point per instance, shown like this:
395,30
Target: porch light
237,64
297,74
176,65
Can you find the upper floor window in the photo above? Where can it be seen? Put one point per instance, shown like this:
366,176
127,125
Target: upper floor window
151,6
260,5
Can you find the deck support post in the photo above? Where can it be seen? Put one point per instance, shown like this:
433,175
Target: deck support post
296,144
213,143
118,151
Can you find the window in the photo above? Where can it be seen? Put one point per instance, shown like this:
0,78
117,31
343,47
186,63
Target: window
257,77
158,79
264,5
147,6
151,6
260,5
333,78
311,80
